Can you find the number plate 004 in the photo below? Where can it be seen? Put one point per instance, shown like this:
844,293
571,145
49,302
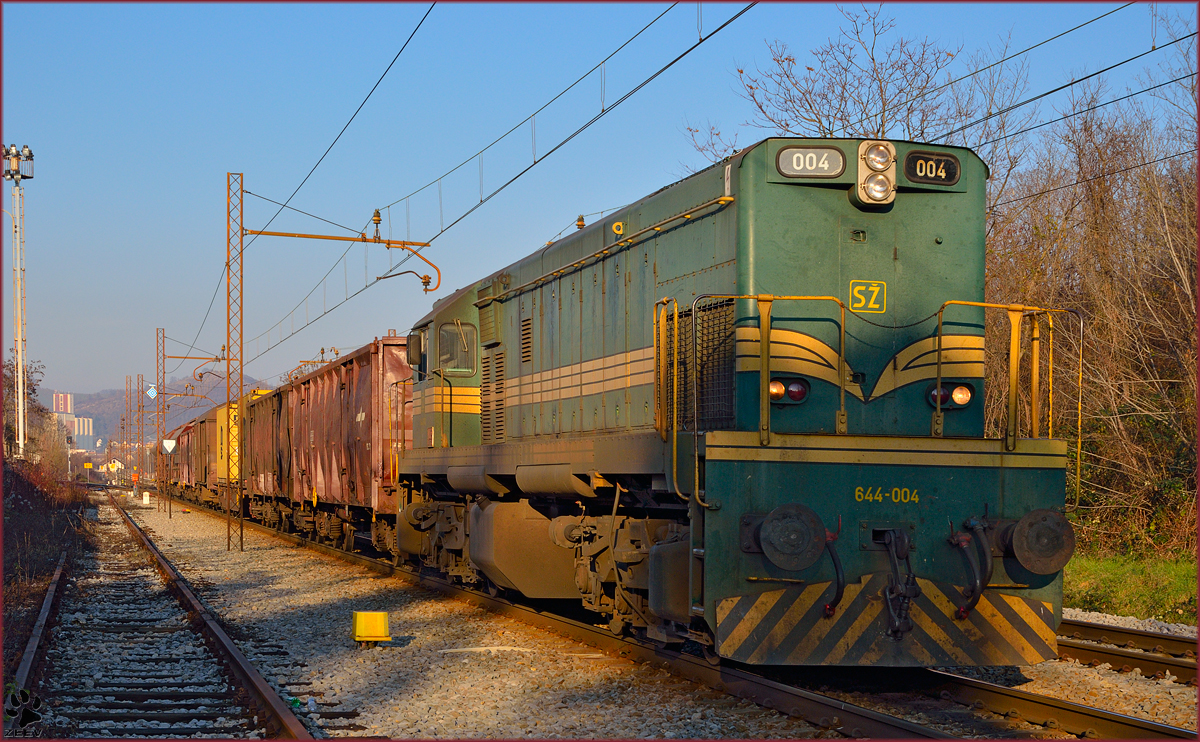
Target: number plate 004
934,168
810,162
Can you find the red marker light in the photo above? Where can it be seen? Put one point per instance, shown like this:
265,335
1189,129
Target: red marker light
797,391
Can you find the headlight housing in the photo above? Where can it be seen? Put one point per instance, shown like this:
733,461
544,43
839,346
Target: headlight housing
877,187
877,157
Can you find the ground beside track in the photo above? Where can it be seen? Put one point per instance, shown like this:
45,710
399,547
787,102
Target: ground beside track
1131,694
531,683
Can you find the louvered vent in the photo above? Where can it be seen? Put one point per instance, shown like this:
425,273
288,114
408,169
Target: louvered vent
485,397
498,397
491,399
527,340
487,325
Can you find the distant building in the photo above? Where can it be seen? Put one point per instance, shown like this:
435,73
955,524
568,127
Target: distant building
80,429
85,435
64,402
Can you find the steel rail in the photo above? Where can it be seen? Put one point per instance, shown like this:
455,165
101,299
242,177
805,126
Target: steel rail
1147,641
814,708
817,709
279,718
1053,713
34,645
1125,660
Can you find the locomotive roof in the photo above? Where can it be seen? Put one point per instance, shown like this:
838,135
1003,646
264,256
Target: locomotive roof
735,159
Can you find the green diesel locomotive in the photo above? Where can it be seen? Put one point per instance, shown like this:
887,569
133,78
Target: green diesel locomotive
746,410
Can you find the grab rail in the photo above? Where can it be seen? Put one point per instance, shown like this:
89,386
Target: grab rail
1016,316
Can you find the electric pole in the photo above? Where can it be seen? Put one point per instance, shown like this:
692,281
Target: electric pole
139,468
18,166
233,352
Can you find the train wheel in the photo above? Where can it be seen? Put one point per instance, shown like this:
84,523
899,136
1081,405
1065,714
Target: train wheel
492,588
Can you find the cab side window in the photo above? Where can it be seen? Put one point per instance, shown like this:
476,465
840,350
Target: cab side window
457,348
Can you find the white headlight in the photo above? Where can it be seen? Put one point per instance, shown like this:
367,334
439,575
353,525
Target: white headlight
877,186
961,395
878,157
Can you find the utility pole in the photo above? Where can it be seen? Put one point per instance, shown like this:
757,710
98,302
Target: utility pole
18,166
233,352
140,451
128,425
160,415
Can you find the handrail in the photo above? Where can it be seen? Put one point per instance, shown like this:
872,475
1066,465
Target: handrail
1017,313
661,330
623,242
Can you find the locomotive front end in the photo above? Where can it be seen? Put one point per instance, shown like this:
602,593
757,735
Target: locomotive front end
854,512
868,550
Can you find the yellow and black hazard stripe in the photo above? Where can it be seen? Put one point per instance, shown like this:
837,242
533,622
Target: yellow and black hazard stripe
789,627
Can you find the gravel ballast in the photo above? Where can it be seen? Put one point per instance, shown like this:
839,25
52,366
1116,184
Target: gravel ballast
454,670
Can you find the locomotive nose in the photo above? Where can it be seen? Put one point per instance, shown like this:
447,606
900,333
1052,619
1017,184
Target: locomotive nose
1042,541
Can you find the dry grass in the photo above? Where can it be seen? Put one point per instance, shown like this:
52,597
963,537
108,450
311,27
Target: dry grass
40,523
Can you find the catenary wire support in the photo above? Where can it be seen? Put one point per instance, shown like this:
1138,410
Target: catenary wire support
234,186
160,420
139,467
126,428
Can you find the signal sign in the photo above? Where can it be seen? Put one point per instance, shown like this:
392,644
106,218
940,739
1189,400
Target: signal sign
151,392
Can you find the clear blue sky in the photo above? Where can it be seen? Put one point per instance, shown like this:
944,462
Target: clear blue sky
136,112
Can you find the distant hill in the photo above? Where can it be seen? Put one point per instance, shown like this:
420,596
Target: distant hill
107,406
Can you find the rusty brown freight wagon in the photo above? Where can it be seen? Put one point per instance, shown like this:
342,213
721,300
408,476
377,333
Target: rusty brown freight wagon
321,451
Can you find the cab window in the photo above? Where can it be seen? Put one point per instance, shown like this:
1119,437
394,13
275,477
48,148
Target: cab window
456,348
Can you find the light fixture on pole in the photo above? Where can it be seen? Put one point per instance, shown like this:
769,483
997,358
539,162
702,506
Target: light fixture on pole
18,166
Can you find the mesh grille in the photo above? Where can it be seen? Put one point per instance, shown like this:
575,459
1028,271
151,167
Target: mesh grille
712,355
714,363
685,369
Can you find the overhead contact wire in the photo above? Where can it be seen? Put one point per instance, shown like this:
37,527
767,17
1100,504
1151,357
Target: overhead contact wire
515,177
1038,97
580,130
1095,177
528,118
447,173
1002,61
1086,110
306,177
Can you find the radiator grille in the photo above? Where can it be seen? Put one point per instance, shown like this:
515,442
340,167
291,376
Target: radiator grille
712,356
714,363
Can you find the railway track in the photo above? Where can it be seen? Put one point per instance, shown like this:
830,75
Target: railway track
953,698
1153,653
134,653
